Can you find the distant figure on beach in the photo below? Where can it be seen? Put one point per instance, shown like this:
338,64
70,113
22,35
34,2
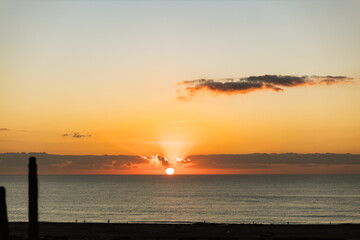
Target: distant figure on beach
108,221
84,221
76,220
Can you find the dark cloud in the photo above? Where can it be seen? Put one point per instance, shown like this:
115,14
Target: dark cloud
163,160
255,83
159,158
4,129
53,163
16,163
264,160
76,135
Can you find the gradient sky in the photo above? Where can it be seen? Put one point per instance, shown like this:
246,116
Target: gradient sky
100,77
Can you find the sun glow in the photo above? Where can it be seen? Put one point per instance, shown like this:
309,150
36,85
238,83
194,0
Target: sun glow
169,171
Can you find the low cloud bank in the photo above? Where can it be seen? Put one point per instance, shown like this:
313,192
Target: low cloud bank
245,85
11,163
16,163
264,160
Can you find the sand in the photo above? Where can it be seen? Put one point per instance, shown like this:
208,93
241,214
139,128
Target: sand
110,231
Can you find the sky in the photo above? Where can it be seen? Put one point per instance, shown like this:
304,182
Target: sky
179,78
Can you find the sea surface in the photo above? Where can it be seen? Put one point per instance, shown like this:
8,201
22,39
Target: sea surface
269,199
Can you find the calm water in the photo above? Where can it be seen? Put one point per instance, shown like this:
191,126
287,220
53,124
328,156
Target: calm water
211,198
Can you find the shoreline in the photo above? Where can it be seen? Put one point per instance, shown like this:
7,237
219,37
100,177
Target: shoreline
218,231
189,223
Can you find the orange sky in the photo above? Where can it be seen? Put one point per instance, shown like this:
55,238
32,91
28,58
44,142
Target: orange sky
102,78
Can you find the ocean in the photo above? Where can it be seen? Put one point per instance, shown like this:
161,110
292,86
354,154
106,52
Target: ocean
267,199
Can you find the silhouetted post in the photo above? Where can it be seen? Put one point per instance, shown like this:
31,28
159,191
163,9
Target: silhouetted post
33,200
4,225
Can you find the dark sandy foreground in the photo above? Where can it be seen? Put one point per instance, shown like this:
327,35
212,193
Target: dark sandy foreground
92,231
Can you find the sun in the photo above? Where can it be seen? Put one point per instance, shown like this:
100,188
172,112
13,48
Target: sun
169,171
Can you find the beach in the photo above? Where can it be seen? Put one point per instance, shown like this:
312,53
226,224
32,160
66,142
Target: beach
117,231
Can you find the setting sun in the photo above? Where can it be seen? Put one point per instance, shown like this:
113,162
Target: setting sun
170,171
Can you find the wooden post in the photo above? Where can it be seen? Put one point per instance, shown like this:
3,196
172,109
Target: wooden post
33,200
4,225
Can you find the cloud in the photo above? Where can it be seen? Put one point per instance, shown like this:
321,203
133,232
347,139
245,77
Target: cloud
276,83
76,135
158,158
4,129
264,160
16,163
163,160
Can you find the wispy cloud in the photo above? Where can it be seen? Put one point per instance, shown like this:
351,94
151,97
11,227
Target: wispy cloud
4,129
76,135
245,85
